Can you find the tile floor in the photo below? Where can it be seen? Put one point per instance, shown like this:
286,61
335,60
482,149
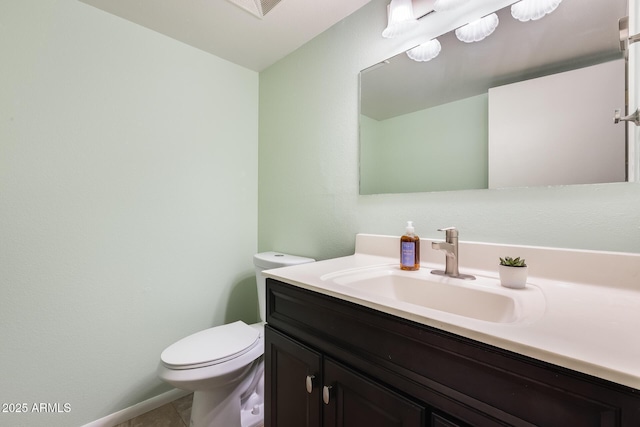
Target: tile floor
174,414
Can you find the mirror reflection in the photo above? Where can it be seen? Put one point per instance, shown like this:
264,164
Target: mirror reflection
530,105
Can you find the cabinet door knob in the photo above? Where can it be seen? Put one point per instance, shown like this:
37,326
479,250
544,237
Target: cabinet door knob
309,383
326,394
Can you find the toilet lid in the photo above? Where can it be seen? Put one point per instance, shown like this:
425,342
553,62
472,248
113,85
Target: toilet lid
211,346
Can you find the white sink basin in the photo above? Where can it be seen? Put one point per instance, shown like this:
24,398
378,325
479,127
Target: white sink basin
481,299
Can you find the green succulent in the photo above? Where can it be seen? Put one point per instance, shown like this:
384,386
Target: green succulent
510,262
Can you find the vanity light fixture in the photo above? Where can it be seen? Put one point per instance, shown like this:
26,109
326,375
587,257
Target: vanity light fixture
442,5
478,30
400,18
426,51
532,10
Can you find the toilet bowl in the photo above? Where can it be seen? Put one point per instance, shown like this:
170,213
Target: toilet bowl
224,365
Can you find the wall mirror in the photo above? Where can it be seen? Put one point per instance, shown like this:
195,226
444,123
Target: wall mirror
530,105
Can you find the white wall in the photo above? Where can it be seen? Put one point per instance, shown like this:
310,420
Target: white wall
309,202
128,205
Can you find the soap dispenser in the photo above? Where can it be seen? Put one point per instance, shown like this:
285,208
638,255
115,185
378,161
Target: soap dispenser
410,249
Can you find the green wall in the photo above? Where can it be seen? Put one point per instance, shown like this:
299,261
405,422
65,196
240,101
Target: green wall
308,165
128,205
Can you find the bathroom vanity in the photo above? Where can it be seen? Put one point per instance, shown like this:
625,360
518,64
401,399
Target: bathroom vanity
336,356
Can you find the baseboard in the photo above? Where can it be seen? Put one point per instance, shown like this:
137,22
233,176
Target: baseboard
138,409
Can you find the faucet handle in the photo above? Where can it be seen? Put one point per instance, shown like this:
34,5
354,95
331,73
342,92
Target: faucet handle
450,232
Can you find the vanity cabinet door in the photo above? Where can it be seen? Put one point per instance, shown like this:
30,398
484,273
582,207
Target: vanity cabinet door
292,382
351,400
298,380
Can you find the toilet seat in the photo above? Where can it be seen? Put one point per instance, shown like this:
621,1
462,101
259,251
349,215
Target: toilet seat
211,346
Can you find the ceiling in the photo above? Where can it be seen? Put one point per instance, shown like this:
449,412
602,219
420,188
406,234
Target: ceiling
230,32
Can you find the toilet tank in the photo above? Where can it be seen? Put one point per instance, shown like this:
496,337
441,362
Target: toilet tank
267,261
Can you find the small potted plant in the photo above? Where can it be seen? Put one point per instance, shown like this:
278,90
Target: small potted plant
513,272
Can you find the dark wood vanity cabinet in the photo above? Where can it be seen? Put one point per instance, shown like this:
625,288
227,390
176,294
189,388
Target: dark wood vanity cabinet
309,389
381,370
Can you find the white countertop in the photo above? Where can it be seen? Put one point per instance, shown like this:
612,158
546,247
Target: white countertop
591,317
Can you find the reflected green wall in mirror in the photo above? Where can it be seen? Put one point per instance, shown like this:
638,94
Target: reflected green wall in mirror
437,153
435,137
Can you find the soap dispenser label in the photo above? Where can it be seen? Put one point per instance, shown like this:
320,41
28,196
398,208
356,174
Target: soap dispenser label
408,253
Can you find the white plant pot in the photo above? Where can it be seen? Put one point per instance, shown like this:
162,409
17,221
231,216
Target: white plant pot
513,277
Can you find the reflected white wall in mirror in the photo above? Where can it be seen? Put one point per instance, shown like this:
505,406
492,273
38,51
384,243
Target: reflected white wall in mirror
429,130
551,131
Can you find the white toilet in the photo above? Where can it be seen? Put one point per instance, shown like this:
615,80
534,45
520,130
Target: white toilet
224,366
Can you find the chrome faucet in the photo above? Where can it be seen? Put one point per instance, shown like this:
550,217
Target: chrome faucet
450,248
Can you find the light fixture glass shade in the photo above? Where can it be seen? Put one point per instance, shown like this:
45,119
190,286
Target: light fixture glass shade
532,10
442,5
401,19
426,51
478,30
